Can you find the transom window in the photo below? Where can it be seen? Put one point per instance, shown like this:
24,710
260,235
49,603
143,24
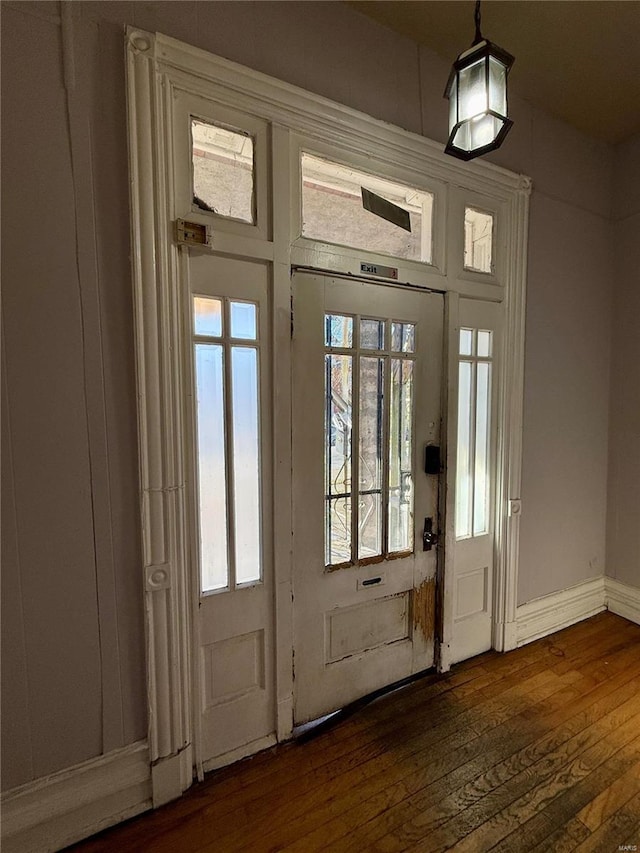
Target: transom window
478,240
226,353
369,405
333,211
223,171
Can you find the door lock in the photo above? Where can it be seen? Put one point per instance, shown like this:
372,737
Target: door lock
429,535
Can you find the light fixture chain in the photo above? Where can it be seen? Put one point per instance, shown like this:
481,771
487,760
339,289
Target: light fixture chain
477,18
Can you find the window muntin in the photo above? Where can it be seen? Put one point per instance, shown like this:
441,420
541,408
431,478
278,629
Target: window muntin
478,240
332,211
367,362
473,477
227,376
223,171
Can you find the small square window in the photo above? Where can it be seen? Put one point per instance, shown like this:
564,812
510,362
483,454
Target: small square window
478,240
223,171
338,331
207,316
403,337
484,344
243,320
466,341
372,334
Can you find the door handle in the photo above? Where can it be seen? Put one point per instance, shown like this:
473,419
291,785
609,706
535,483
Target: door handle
429,535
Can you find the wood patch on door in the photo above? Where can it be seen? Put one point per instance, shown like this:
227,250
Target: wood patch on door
424,608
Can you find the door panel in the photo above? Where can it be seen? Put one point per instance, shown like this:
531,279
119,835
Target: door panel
232,537
366,390
472,557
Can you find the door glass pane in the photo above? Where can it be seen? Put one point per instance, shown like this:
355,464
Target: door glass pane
464,481
223,171
212,490
484,344
338,331
481,485
370,456
403,337
246,462
338,477
338,531
207,316
401,456
466,341
372,334
243,320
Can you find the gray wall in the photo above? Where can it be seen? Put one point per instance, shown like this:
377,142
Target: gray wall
73,645
623,528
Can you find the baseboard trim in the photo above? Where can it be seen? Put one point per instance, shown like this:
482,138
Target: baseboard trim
65,807
551,613
623,600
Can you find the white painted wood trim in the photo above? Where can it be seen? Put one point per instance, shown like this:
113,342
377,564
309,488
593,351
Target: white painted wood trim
323,119
65,807
510,420
158,68
622,599
160,383
551,613
446,565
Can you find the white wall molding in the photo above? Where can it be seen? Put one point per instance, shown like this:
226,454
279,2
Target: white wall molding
67,806
551,613
158,336
622,599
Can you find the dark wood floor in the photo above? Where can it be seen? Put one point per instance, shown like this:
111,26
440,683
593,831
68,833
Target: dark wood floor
536,750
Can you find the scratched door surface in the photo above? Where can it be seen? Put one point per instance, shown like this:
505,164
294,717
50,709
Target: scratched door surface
367,389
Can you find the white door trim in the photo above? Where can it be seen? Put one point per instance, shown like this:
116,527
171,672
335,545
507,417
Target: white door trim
158,66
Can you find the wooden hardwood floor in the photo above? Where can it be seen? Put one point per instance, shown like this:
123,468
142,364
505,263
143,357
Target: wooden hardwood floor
536,750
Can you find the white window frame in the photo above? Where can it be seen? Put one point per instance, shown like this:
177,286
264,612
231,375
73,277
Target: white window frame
158,69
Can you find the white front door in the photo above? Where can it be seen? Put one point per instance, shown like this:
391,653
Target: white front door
367,362
232,539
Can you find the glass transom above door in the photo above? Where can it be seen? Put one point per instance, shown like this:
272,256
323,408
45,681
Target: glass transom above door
333,211
369,405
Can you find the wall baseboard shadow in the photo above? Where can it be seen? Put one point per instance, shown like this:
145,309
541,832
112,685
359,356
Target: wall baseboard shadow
57,810
556,611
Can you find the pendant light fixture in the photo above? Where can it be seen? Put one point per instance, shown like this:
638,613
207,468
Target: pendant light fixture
477,93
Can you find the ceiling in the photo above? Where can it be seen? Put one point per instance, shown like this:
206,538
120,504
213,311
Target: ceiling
579,61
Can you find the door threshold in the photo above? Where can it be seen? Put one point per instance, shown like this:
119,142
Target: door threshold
308,731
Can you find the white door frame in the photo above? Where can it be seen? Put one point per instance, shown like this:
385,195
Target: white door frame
158,66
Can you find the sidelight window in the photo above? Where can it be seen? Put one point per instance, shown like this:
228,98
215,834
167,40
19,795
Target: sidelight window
369,413
473,477
226,353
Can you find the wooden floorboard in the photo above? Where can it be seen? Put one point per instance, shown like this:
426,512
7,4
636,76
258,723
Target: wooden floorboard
535,750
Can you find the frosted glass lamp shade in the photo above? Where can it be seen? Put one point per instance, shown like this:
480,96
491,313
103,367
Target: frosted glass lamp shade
477,93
